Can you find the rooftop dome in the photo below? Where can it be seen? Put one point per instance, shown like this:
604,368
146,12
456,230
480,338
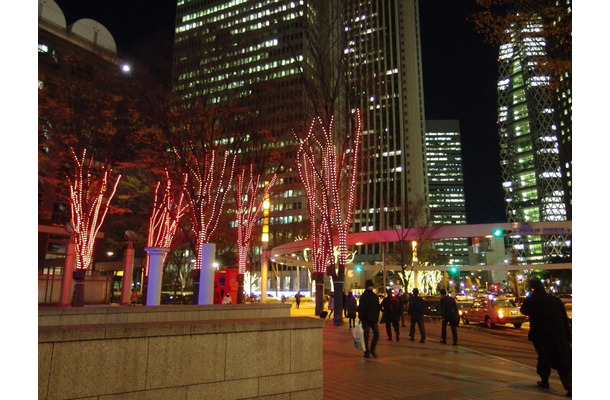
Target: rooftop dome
49,11
94,33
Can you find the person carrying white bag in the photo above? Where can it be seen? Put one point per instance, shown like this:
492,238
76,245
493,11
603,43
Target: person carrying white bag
358,335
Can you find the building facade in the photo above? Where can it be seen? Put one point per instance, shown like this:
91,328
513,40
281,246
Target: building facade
446,182
264,53
534,141
93,44
68,55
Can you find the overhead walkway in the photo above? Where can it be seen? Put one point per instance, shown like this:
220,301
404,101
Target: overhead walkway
283,254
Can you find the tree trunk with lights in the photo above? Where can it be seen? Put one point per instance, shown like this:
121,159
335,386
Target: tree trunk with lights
208,183
329,174
249,205
167,211
90,197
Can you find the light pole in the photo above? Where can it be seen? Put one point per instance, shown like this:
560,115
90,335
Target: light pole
265,242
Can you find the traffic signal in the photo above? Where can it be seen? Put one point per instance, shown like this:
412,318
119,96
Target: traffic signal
497,232
453,270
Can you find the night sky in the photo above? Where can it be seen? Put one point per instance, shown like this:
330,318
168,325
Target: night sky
459,77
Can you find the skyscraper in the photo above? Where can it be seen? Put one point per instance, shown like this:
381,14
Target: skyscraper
264,53
447,198
534,177
384,44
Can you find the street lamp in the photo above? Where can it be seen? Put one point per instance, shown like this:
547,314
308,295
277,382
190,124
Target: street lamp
265,242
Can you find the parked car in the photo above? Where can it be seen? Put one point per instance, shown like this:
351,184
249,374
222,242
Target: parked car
494,311
433,305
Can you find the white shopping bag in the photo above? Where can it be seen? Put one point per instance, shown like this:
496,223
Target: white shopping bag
358,334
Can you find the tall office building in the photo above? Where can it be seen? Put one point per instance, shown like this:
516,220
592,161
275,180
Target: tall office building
385,66
447,198
256,52
531,156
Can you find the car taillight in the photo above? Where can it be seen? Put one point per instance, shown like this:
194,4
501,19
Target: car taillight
500,313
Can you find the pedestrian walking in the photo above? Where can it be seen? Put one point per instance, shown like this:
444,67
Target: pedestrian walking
297,299
416,311
551,334
134,298
368,312
391,316
344,298
351,306
450,315
331,304
402,302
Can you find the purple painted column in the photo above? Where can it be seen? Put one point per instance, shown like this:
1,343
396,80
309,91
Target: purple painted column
155,273
206,276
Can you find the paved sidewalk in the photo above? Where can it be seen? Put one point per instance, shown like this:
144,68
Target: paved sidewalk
412,370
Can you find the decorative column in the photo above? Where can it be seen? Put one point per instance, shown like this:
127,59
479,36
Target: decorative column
206,274
127,275
66,283
240,289
78,297
155,273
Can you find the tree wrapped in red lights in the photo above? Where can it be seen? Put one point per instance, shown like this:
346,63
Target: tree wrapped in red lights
209,178
168,209
249,203
90,196
329,172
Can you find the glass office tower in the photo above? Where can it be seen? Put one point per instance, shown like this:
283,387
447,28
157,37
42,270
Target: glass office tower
447,198
533,177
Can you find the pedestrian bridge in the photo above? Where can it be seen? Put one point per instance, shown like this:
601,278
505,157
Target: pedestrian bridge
282,254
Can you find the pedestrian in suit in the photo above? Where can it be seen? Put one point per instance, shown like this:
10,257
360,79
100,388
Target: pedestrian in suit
550,332
416,311
368,312
450,315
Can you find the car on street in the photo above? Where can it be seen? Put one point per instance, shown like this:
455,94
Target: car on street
433,306
492,311
566,298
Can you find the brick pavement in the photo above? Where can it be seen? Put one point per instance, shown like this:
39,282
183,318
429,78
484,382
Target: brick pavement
412,370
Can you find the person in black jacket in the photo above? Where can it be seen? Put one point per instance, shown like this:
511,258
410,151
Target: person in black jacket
351,306
417,307
450,315
368,313
551,334
391,315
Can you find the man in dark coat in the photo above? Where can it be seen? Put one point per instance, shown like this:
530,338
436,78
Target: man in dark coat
368,312
417,307
449,315
551,334
402,301
391,314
